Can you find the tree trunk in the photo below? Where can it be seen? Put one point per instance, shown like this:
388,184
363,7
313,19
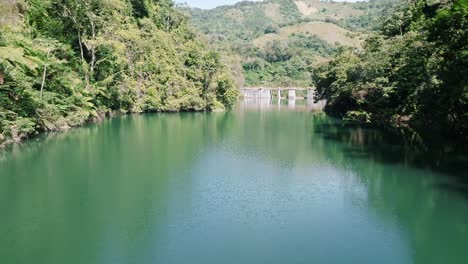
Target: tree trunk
44,74
83,61
2,80
92,47
68,13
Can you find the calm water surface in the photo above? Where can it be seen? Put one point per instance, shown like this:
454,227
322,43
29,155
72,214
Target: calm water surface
262,184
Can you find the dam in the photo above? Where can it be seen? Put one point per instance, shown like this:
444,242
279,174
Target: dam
289,93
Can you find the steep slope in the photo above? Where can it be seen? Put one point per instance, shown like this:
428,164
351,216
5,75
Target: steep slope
64,62
413,72
331,33
304,33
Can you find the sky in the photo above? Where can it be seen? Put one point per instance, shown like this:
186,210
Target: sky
207,4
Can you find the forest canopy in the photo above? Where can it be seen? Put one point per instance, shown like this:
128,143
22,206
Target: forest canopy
414,71
278,43
64,62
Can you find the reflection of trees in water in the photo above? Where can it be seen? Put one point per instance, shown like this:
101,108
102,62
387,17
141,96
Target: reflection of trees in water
407,181
410,182
396,170
402,175
401,147
114,181
276,135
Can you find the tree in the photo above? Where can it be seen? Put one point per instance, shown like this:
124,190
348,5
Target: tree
413,73
71,61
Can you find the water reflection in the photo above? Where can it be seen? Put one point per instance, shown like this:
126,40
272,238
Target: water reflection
269,104
254,103
266,183
292,103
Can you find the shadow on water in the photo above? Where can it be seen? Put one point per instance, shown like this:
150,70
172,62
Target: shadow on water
159,187
402,147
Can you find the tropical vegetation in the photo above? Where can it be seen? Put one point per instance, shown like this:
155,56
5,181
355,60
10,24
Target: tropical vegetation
279,42
65,62
413,71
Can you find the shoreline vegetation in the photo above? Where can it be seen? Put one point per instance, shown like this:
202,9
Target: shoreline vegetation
409,71
64,63
412,72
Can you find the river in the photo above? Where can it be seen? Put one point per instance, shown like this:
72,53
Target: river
264,183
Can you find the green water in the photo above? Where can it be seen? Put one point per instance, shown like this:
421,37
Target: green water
262,184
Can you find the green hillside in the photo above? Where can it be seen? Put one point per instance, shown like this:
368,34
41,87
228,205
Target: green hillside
63,63
278,42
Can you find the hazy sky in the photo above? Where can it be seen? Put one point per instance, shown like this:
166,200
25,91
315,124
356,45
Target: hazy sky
207,4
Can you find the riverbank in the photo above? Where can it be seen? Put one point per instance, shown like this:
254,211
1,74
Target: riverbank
16,137
64,64
414,74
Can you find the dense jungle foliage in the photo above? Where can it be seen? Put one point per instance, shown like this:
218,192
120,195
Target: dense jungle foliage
414,71
279,42
64,62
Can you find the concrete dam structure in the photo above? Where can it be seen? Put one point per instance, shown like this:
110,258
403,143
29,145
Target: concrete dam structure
256,93
290,93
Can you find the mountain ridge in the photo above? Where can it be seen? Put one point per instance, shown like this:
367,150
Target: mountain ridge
278,42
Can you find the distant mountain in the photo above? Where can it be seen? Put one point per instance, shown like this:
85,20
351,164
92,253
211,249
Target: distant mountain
278,42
